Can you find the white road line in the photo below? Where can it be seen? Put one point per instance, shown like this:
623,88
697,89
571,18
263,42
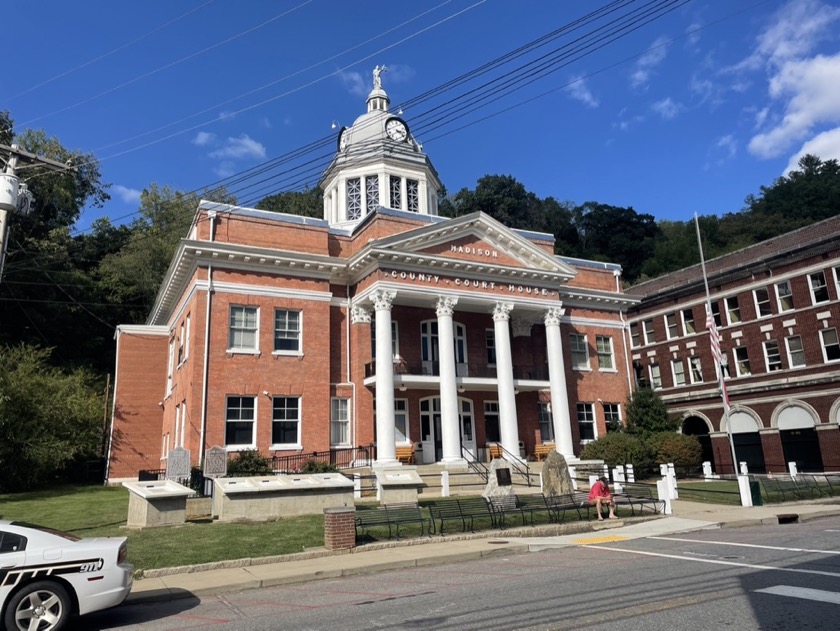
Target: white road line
803,592
746,545
713,561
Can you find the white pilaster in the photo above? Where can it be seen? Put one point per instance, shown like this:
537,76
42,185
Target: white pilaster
386,448
449,421
557,382
508,424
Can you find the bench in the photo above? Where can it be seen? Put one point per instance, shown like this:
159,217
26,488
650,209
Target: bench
541,450
393,516
495,451
640,495
513,504
559,504
464,510
405,454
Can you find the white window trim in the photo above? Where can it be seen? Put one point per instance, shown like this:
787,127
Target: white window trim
738,372
837,279
729,320
407,440
614,369
244,350
691,375
764,344
253,445
826,360
668,327
653,385
486,347
347,421
288,446
779,296
674,363
693,322
594,422
299,351
811,288
652,332
170,367
791,365
756,303
588,366
635,342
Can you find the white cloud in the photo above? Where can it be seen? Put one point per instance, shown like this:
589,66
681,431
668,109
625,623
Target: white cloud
810,90
728,145
355,84
128,195
243,147
647,63
203,138
761,117
795,31
667,108
225,169
579,91
825,145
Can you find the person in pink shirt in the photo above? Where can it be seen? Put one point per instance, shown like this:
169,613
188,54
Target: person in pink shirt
600,494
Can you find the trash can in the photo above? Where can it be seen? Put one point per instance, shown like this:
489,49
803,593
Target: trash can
755,493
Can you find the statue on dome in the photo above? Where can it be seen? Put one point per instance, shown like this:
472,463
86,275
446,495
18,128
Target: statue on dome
377,76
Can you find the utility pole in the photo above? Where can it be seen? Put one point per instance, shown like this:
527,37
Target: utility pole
15,196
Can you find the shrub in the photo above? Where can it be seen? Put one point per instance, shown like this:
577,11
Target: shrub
318,466
684,451
247,463
647,413
619,449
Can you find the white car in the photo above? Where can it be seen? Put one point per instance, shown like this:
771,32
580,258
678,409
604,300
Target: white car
47,576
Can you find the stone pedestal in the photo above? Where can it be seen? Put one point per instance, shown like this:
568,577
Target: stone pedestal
398,486
156,503
267,498
340,528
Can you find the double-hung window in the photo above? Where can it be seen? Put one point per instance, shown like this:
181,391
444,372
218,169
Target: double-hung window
586,421
772,356
671,326
650,334
733,310
762,302
678,372
688,321
795,351
612,416
339,422
242,334
830,345
819,288
285,423
287,330
695,369
401,434
634,335
240,418
395,341
784,295
742,361
580,351
655,377
546,426
490,344
492,433
603,344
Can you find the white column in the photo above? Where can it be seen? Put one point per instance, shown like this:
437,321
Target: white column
557,382
508,424
386,448
449,419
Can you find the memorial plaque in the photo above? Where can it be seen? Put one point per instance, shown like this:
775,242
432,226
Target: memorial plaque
503,477
178,464
215,462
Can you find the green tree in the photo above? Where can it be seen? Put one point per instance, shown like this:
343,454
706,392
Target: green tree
309,203
619,449
684,451
647,413
500,196
49,418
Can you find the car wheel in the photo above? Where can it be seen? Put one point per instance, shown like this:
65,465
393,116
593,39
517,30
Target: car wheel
41,606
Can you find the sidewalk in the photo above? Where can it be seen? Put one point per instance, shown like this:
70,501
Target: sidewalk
167,584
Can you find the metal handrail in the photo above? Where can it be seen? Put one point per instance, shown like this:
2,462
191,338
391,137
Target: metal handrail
475,464
516,464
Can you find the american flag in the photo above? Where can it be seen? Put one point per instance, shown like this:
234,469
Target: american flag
714,341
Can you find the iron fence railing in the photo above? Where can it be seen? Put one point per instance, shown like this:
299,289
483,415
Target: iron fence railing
481,371
338,457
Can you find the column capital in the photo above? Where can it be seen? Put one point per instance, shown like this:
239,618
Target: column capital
445,306
520,327
501,311
383,300
359,315
552,316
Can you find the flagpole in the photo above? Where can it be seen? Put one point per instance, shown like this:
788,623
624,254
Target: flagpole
711,325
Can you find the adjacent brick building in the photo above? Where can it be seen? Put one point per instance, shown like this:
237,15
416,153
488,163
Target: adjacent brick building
776,306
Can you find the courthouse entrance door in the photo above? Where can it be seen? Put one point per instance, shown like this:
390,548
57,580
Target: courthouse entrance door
431,431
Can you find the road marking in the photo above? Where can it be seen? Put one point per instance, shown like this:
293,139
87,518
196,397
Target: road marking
592,540
746,545
803,592
716,561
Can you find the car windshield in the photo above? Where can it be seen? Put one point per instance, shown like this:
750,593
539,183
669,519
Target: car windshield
52,531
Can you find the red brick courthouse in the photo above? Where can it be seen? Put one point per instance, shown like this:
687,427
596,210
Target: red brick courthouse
380,323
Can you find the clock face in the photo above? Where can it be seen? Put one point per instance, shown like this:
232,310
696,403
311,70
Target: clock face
342,139
396,129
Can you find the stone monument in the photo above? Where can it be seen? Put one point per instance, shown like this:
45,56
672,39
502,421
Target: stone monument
178,464
555,475
494,488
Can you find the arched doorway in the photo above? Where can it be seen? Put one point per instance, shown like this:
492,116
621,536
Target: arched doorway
697,427
747,441
800,444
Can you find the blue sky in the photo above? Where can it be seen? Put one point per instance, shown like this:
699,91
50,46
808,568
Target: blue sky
690,112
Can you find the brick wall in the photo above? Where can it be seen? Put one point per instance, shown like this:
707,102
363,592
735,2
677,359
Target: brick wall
339,528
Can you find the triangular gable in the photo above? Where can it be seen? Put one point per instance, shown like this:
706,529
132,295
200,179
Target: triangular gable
477,238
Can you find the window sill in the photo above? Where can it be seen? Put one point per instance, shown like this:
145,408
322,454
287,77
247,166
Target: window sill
243,351
287,353
235,448
286,447
611,371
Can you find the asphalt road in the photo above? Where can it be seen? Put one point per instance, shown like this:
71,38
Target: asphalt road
767,577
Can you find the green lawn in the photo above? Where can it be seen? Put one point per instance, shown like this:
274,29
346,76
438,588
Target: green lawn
714,492
101,511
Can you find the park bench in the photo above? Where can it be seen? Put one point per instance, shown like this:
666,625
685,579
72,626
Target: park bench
512,504
640,495
495,451
392,516
464,510
541,450
405,454
559,504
